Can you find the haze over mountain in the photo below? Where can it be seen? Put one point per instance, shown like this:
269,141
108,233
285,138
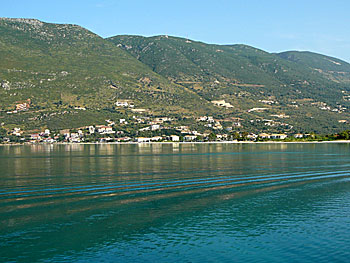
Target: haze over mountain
62,67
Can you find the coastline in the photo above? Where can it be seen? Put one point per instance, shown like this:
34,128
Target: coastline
146,143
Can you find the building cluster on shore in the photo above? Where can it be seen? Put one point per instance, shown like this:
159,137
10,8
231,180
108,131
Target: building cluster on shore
140,126
154,131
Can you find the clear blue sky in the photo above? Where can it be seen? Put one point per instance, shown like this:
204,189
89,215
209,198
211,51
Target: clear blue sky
273,25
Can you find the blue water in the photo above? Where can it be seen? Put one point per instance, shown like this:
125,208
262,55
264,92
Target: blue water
175,203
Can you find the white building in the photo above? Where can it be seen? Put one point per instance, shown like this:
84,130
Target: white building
91,129
155,127
252,136
145,129
264,136
156,138
202,118
74,137
122,104
105,130
175,138
278,136
189,138
17,131
143,139
210,119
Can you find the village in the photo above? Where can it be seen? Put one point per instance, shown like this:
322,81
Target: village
145,129
157,130
108,134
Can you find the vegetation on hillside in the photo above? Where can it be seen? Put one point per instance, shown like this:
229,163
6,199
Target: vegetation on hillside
247,77
73,78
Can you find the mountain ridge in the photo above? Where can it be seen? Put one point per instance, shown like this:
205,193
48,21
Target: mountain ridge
258,65
64,66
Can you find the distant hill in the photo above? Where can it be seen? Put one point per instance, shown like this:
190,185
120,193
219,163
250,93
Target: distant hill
73,78
183,60
62,66
333,68
245,76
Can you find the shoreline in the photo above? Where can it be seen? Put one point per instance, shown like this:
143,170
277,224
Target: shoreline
146,143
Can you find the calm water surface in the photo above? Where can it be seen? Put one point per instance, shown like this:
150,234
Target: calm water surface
175,203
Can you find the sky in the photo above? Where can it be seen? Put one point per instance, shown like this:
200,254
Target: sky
321,26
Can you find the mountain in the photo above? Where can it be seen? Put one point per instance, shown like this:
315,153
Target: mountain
332,68
73,78
307,91
185,61
61,66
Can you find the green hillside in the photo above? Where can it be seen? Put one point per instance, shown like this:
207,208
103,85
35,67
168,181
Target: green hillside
183,60
73,78
63,66
332,68
244,76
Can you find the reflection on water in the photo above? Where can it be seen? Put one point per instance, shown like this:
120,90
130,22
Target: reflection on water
174,202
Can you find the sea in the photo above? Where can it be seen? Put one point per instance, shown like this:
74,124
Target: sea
176,202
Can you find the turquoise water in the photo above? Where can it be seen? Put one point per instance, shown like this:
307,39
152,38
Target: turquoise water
175,203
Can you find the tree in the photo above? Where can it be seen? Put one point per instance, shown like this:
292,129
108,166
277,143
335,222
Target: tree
3,133
344,135
212,136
